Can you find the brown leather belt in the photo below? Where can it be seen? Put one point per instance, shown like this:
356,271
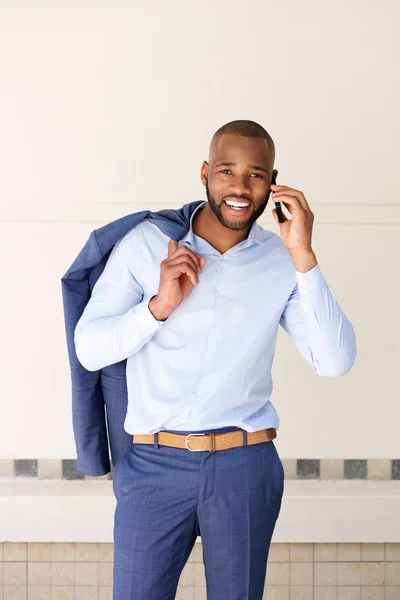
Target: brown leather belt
206,441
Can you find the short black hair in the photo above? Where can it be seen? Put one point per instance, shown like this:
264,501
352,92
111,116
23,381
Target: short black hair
244,128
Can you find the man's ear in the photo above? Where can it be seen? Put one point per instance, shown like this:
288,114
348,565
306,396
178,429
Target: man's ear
204,172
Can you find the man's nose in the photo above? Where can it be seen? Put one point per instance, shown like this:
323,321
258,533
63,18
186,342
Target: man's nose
240,185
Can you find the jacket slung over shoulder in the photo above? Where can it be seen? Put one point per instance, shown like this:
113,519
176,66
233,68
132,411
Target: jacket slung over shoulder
95,428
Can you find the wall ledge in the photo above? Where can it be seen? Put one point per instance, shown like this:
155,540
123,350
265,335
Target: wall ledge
315,511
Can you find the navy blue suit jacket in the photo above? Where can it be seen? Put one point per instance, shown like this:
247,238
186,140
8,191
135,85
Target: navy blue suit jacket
100,398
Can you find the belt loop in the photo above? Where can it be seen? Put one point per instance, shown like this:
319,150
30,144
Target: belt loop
212,438
244,433
156,440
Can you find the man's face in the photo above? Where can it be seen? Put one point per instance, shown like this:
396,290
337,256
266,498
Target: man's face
239,181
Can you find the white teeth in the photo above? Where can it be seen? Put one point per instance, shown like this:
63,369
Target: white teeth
237,204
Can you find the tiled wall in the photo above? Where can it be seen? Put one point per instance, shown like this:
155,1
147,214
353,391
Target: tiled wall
65,571
380,469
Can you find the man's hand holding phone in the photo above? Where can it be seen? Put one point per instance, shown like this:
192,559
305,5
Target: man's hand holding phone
179,273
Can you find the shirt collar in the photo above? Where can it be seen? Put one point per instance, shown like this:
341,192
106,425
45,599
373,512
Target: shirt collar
255,233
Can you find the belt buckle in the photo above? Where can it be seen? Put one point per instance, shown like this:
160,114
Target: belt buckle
186,442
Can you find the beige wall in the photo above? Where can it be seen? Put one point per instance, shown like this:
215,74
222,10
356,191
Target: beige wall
109,109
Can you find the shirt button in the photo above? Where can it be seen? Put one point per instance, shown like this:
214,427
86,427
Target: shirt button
199,393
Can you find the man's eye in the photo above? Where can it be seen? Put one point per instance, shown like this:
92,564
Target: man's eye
261,177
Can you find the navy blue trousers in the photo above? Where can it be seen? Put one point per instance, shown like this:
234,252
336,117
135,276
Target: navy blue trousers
166,497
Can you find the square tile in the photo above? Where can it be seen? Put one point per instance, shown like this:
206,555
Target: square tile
105,592
349,593
86,574
372,573
308,468
373,552
325,573
106,552
14,573
325,552
39,573
277,592
349,574
62,552
198,552
279,553
355,469
6,467
39,592
392,573
25,467
69,469
302,592
373,593
301,574
301,552
62,592
185,593
392,592
39,552
200,592
187,574
63,574
199,574
49,468
15,592
379,469
106,574
392,552
289,467
278,574
332,468
349,552
396,469
325,593
86,592
86,552
14,551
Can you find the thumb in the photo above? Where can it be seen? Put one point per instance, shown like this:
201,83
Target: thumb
172,246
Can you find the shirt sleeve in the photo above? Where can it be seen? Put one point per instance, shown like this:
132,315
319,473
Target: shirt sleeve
321,331
117,321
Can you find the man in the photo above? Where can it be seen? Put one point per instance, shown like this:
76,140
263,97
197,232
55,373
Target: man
197,321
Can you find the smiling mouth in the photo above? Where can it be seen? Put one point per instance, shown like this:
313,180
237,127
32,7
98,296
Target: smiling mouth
237,211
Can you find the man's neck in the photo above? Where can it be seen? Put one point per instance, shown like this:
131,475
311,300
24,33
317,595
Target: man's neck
206,225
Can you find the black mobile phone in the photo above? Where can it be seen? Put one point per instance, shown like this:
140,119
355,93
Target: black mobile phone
278,205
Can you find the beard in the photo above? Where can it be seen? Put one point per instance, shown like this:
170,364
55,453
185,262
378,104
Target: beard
236,225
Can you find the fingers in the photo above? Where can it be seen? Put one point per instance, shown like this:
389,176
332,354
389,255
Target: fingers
172,246
175,270
184,258
174,251
275,215
285,191
292,203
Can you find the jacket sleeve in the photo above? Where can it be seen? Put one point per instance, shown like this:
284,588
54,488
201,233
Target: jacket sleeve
117,321
321,331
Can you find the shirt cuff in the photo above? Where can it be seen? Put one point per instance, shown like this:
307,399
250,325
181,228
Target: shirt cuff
311,280
148,318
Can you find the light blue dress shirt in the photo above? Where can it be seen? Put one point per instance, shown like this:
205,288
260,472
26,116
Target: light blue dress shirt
209,364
